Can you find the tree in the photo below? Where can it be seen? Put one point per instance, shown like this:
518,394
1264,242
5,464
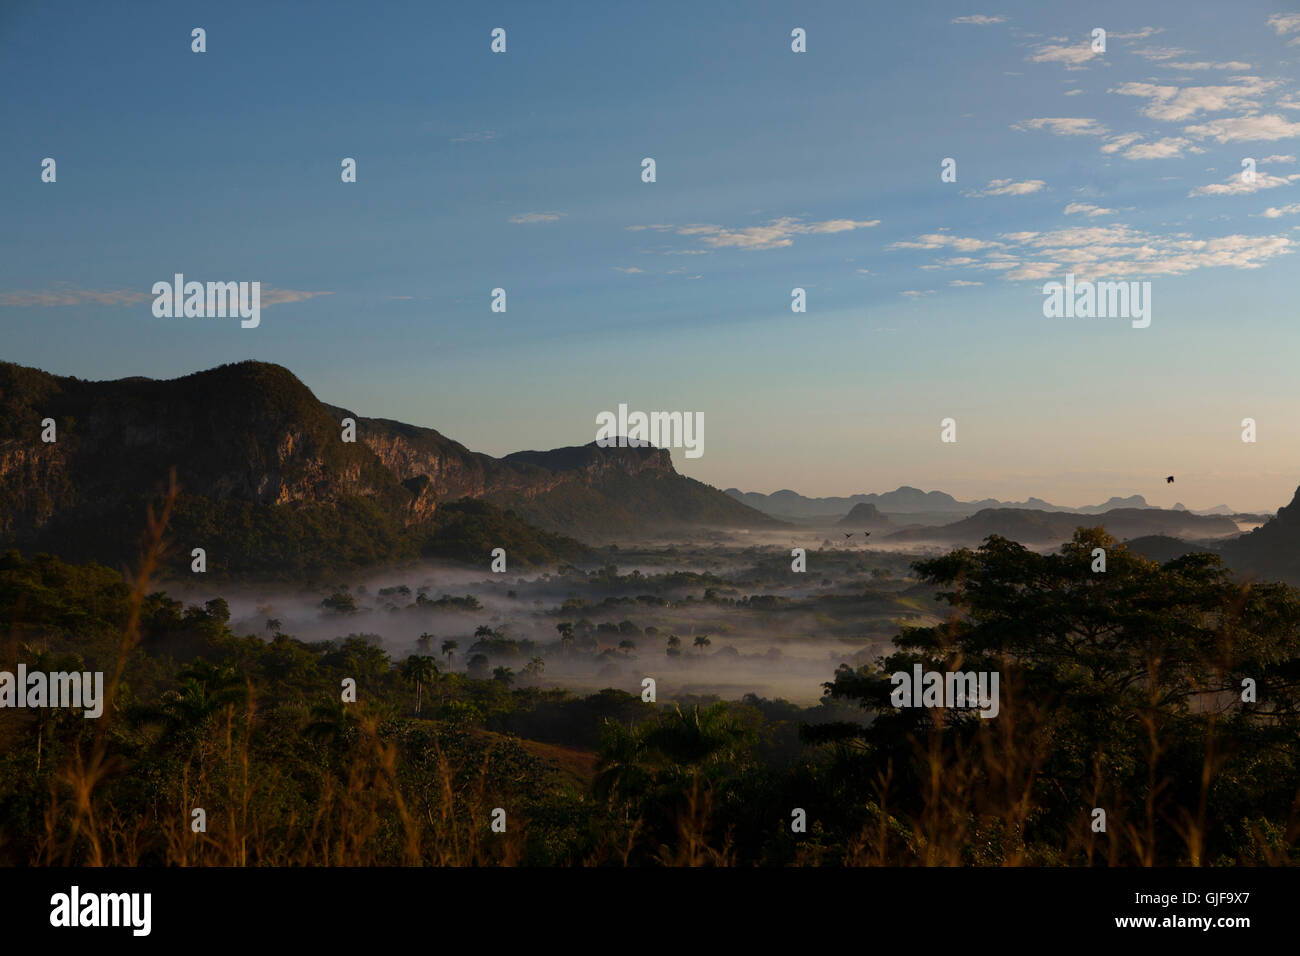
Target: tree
503,675
341,602
627,647
449,648
702,642
477,668
566,634
1116,687
418,671
273,625
424,643
533,669
674,645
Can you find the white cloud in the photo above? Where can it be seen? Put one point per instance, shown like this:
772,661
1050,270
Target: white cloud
1207,65
1073,56
1033,270
629,270
1174,104
481,136
1088,209
914,292
940,240
267,296
962,283
1115,251
1278,158
55,297
1284,23
1235,186
1161,149
978,19
531,217
776,234
1273,212
272,296
1116,143
1006,187
1245,128
1064,125
1141,34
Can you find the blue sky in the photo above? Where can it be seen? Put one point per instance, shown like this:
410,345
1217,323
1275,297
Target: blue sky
775,170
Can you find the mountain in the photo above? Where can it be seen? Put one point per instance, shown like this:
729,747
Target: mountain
865,516
1271,551
269,486
1043,527
908,500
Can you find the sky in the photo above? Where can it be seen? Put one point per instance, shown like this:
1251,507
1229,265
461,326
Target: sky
774,170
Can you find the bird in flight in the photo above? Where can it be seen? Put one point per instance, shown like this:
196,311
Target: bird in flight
1169,480
849,534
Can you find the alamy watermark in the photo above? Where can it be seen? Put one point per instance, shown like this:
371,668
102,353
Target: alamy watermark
660,429
946,689
1099,300
216,300
56,689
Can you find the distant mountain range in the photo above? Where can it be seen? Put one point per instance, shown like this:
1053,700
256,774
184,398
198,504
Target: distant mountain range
269,486
907,500
1032,527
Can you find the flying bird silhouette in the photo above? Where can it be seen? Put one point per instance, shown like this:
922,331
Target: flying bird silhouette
849,535
1169,480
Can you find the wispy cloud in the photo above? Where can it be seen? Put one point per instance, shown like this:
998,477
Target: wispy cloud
776,234
1175,104
269,296
1284,24
1073,56
1116,251
480,136
1274,212
628,270
531,217
273,296
1245,129
1087,209
1007,187
56,297
1063,126
979,19
1236,186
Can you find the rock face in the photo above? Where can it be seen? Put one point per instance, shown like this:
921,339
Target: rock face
252,433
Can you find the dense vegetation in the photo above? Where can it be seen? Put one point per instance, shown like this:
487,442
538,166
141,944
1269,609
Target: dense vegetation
1120,691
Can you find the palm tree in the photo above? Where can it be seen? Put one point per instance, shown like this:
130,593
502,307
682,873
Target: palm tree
533,669
702,642
566,633
674,645
419,671
273,625
448,648
504,675
424,643
627,647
